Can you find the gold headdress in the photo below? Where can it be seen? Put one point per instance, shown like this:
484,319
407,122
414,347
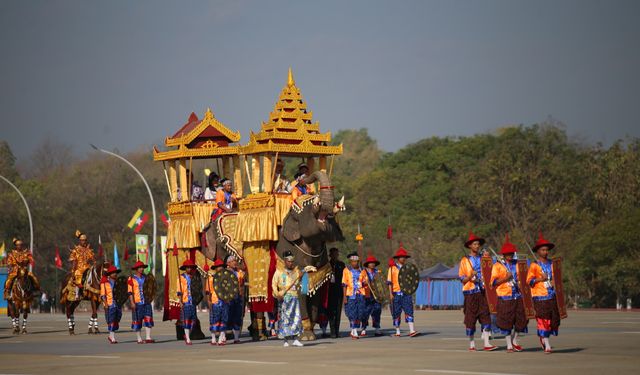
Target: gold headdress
80,235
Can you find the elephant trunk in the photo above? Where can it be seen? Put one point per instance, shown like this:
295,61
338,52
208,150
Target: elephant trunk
326,190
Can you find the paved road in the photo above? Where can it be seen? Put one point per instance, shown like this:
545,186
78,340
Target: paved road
590,342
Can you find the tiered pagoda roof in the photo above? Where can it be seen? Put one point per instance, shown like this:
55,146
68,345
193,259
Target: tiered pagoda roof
290,129
200,139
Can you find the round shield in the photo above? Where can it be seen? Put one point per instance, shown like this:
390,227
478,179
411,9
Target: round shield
225,284
149,288
196,289
379,289
121,291
408,278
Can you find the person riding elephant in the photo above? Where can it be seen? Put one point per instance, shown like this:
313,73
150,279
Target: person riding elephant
81,258
306,230
18,257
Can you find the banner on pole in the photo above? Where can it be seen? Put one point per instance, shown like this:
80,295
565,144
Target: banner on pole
142,249
163,254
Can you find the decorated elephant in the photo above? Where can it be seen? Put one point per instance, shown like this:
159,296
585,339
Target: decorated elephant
306,230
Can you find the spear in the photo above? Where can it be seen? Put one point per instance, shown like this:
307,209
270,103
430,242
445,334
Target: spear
359,238
547,284
530,250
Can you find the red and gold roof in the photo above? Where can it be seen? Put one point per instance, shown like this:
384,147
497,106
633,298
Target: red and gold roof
200,139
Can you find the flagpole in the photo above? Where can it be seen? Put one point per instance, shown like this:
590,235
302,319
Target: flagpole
153,205
28,214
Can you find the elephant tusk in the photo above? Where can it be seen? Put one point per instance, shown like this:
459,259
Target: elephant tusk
339,206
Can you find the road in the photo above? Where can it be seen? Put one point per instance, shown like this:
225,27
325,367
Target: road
590,342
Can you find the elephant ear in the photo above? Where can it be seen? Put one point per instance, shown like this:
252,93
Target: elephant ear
291,228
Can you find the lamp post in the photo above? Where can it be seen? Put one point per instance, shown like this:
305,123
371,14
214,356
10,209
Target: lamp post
28,212
153,205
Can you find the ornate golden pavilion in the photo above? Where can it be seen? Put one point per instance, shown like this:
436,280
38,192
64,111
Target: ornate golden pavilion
289,132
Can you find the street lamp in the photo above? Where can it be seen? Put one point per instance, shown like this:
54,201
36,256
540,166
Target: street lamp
153,205
28,212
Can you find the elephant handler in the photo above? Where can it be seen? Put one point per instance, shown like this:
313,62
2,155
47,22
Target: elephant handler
236,306
226,199
353,300
286,288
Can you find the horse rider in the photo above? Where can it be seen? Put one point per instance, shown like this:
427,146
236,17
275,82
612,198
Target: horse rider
81,258
18,257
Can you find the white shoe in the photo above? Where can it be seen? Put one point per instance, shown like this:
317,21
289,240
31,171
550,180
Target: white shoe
286,344
297,343
363,333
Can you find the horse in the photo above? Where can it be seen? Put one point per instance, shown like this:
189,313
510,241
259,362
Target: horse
21,297
89,292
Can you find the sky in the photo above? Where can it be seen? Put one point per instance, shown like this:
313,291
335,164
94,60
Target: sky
126,74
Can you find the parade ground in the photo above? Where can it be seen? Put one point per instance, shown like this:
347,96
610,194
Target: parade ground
590,342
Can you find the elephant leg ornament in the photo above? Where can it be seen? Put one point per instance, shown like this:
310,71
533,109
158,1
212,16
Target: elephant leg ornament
307,333
260,328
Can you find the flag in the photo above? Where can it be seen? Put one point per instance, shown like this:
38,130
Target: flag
175,249
116,260
3,252
140,223
135,219
126,252
163,251
100,249
142,249
165,218
389,232
58,259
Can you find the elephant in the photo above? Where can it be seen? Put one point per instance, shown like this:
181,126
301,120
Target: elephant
305,233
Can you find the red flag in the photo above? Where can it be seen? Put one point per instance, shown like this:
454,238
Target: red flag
58,260
141,223
175,249
389,232
165,218
100,249
126,252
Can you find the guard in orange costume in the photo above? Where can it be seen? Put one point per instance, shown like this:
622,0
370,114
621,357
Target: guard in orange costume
373,308
540,278
18,257
475,301
400,301
188,311
141,309
81,258
112,312
511,317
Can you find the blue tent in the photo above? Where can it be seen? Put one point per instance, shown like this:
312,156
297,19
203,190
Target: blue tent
433,270
440,290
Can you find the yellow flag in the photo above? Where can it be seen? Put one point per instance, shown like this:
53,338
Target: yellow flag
2,251
135,218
